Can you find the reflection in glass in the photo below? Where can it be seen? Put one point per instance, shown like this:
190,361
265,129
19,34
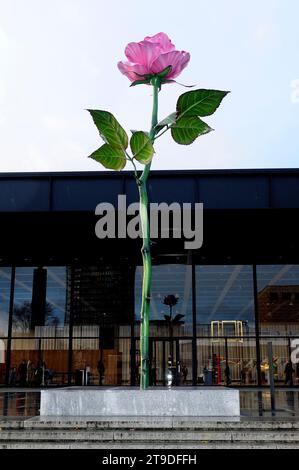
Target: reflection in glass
40,344
168,280
21,320
278,299
5,274
103,307
225,318
5,278
225,305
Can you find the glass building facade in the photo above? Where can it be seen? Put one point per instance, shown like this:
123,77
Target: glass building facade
70,302
67,325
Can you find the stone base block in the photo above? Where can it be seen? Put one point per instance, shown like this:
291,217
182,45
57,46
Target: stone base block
128,401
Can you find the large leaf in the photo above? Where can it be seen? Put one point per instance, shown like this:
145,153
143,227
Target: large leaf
199,102
187,129
178,318
165,122
109,128
110,157
141,146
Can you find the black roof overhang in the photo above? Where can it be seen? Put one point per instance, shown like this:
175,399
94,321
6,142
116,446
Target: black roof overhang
249,216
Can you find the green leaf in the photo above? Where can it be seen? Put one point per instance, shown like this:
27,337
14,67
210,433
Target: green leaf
141,146
110,157
140,82
134,130
168,121
109,128
178,318
199,102
165,71
187,129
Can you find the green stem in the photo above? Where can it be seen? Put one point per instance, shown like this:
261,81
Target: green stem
146,252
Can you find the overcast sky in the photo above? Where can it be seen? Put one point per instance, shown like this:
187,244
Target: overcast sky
59,57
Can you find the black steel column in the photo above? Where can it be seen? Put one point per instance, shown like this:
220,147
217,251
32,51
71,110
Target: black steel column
227,375
271,376
194,341
71,323
257,328
164,362
10,315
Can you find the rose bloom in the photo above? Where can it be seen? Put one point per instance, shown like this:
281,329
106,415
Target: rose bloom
151,56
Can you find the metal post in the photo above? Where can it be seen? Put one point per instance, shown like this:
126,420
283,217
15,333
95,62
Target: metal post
257,328
194,332
43,376
271,376
10,321
164,362
71,324
39,350
227,375
260,402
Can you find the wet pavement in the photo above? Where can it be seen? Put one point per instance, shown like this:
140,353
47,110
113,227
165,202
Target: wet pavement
257,403
18,403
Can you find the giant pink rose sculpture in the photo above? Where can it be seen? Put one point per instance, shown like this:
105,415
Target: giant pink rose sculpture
152,56
153,61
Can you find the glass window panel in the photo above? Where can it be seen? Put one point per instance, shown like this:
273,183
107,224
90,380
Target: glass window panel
40,326
3,348
278,299
93,366
225,301
40,301
56,296
280,350
171,301
21,320
5,274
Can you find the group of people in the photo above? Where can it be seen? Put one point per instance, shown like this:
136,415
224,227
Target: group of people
29,375
288,373
247,374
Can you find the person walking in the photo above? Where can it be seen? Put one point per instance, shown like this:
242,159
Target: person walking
227,375
185,373
22,373
288,371
101,371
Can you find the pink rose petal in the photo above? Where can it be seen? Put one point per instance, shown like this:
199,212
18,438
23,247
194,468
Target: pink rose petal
178,61
131,70
162,40
151,56
143,53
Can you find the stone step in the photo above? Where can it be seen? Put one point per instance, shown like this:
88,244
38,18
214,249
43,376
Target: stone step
147,435
148,445
148,424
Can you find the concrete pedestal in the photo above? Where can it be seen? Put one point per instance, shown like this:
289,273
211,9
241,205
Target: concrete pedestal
128,401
